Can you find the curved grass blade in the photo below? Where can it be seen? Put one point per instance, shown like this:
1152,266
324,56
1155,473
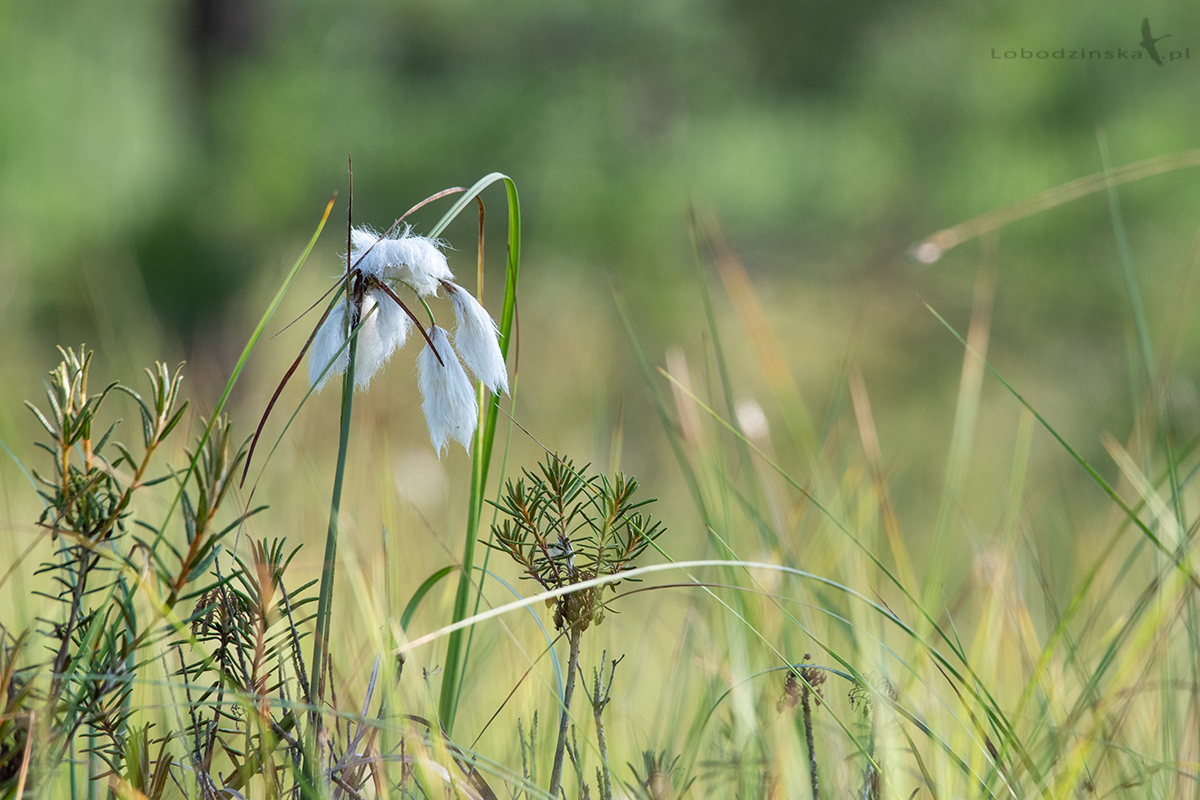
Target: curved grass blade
930,250
241,363
975,687
483,441
419,594
550,640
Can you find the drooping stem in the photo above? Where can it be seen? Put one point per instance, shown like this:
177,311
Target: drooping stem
565,717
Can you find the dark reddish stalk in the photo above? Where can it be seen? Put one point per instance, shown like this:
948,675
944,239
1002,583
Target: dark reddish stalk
427,201
278,391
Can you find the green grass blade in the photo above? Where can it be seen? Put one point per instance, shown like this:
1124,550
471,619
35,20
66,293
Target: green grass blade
485,434
487,555
419,594
660,406
546,635
1149,371
1179,559
1127,271
24,472
325,600
241,364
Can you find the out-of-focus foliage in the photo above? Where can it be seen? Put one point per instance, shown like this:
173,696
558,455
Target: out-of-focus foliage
192,138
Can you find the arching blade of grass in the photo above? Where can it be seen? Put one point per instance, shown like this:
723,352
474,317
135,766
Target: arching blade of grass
419,595
485,435
934,246
546,636
686,567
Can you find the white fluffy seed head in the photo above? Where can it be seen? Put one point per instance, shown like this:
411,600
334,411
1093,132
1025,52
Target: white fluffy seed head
384,329
365,251
330,336
416,260
448,400
477,339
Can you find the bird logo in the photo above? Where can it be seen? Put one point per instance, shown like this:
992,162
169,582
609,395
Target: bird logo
1148,41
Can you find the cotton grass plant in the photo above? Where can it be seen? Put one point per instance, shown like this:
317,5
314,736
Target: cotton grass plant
805,652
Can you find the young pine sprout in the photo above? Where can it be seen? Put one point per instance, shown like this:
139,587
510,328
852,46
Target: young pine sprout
564,527
382,268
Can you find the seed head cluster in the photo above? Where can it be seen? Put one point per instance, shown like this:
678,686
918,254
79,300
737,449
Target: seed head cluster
386,266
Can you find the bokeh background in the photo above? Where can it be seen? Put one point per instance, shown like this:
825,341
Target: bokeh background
162,164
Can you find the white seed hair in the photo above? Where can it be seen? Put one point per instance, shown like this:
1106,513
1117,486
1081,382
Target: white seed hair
330,336
365,253
381,334
416,260
477,339
448,400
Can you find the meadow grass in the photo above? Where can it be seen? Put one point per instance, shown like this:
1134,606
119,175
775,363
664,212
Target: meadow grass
792,636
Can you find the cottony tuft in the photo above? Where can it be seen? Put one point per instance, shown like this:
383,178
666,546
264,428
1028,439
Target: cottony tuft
416,261
451,410
477,339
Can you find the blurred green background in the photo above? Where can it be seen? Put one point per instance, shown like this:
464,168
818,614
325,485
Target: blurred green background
163,163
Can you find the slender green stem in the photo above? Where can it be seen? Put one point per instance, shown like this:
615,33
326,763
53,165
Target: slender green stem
428,310
321,637
564,719
487,553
